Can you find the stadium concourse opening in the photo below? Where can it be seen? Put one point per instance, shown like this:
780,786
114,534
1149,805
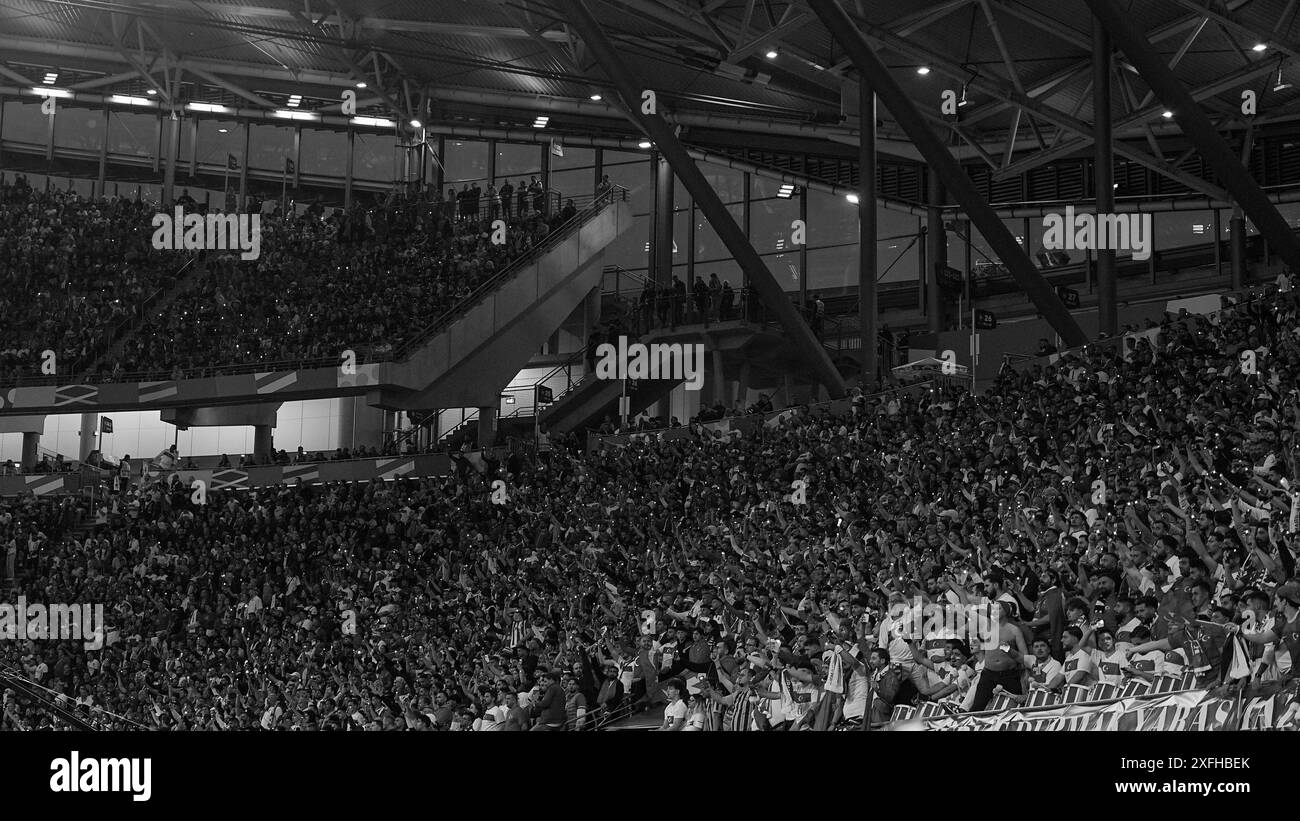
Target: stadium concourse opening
938,457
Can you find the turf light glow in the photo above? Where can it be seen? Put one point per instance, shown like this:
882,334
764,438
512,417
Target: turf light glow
853,198
1259,47
1168,114
771,54
923,70
595,98
416,124
643,144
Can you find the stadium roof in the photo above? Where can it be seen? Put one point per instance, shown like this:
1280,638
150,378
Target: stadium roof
731,72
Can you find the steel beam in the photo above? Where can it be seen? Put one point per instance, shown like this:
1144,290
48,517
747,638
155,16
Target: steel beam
1103,175
867,312
950,172
1198,128
658,130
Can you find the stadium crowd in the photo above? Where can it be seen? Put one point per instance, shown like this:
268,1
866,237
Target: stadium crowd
71,271
369,279
1125,512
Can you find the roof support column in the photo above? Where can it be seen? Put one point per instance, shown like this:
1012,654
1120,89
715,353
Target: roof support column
950,172
652,122
661,248
1103,175
867,313
936,255
1196,125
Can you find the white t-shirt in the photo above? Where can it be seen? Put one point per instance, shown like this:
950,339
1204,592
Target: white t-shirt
676,711
1080,660
1043,671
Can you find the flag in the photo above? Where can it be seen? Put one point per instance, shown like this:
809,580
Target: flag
557,148
289,167
1068,296
105,424
545,395
985,320
231,162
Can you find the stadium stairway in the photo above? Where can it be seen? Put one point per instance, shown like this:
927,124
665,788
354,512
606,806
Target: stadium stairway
186,277
466,357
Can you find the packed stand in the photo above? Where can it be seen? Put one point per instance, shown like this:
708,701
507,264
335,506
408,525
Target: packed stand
700,575
72,270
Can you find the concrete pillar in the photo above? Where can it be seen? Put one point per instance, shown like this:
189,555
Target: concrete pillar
487,427
30,441
262,442
1237,248
89,432
742,383
171,132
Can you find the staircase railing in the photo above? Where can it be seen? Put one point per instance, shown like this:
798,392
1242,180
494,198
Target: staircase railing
553,238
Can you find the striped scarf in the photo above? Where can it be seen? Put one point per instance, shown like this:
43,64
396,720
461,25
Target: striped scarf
740,714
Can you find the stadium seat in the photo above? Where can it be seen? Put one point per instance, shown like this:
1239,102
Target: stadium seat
1104,692
1074,693
1135,687
1042,698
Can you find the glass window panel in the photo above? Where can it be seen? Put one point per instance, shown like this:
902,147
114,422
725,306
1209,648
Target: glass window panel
324,152
832,220
574,157
1180,229
269,146
638,179
217,140
80,128
784,265
630,249
897,259
466,161
770,216
613,157
1037,230
833,269
24,123
708,246
576,183
131,134
681,236
375,157
728,182
514,160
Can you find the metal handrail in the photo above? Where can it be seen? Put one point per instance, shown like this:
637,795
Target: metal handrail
366,353
560,233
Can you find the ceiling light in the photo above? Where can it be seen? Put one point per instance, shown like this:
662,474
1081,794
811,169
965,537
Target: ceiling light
151,92
595,98
223,130
295,100
786,191
361,84
923,70
1259,47
51,92
644,144
416,124
771,54
213,107
293,115
541,122
1168,114
50,77
853,198
376,122
122,99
